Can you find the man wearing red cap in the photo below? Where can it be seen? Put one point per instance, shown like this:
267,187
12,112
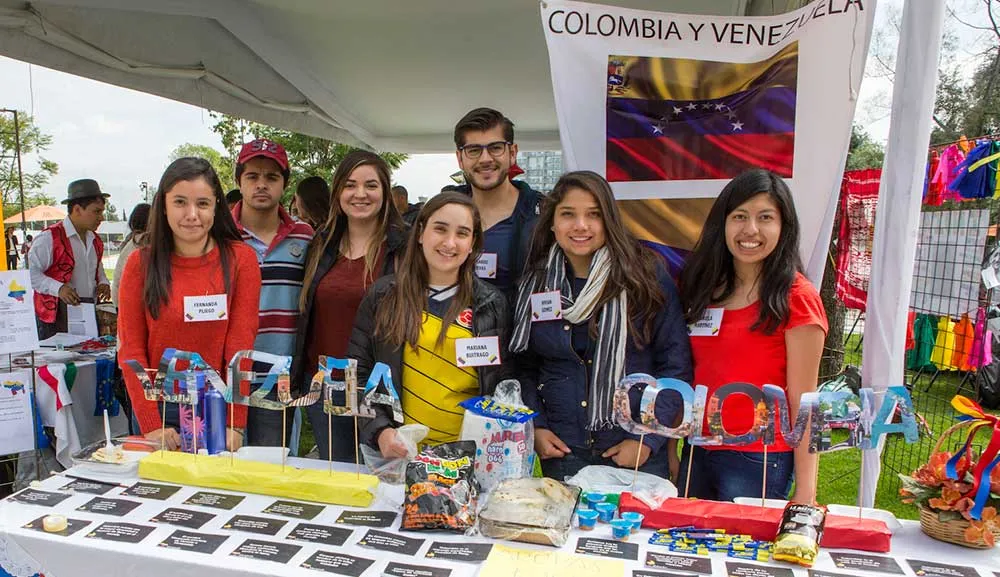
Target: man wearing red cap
486,153
280,242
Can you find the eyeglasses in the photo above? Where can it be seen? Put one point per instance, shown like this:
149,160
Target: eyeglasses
474,151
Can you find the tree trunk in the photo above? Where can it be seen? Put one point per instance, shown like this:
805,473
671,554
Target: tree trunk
833,350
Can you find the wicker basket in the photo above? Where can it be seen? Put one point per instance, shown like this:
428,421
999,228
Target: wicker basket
950,531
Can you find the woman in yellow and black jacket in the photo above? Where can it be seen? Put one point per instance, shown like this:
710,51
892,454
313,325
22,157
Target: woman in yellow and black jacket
415,321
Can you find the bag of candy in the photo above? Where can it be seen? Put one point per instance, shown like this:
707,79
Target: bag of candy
441,489
501,427
799,534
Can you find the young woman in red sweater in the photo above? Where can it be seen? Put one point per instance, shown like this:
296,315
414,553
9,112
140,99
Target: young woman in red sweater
193,249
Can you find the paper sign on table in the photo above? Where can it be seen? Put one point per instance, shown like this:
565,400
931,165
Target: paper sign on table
607,548
183,518
293,509
151,491
250,524
41,498
337,563
120,532
334,536
748,570
109,506
17,430
196,542
875,563
214,500
941,569
81,320
18,330
471,552
643,573
390,542
506,561
379,519
394,569
690,563
88,486
266,550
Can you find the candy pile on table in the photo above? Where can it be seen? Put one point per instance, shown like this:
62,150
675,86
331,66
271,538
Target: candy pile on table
702,541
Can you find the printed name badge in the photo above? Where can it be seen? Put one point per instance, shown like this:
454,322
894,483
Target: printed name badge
486,266
205,308
546,306
477,352
708,325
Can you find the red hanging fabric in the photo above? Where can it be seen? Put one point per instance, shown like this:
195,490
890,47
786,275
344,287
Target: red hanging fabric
858,197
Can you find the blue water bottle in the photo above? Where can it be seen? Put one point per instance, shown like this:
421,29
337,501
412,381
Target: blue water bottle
215,420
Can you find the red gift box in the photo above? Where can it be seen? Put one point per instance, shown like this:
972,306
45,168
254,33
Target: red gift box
761,523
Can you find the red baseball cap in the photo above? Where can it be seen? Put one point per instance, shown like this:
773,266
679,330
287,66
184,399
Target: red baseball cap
267,149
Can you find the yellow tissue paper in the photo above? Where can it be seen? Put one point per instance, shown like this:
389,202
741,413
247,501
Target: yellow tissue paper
348,489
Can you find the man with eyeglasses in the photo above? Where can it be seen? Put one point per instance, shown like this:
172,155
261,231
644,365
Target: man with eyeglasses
484,139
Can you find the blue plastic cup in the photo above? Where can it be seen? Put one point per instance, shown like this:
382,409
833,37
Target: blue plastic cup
621,529
587,519
592,499
605,512
635,519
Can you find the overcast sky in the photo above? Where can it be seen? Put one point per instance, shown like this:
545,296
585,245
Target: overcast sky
122,137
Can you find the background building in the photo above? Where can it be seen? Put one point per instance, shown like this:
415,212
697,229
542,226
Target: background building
541,169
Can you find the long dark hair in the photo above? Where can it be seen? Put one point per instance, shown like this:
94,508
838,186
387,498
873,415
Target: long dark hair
633,267
400,314
160,240
336,220
709,276
138,221
314,194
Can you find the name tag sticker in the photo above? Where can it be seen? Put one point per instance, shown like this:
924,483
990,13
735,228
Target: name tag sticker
486,266
206,308
478,352
708,325
546,306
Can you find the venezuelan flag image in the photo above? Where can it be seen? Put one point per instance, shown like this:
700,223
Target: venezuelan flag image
671,119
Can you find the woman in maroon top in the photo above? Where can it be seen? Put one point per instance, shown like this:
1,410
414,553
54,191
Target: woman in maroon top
358,244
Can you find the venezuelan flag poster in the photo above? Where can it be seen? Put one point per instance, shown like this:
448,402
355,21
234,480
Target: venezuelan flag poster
670,107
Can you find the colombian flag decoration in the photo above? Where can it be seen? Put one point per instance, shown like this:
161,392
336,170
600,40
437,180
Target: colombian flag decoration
675,119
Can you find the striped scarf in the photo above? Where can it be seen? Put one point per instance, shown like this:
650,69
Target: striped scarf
612,328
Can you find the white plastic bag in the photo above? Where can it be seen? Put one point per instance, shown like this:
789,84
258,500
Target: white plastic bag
393,471
650,489
504,435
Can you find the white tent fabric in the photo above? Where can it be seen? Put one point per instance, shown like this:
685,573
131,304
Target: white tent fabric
388,74
898,218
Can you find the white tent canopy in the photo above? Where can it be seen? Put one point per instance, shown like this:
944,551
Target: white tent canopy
390,74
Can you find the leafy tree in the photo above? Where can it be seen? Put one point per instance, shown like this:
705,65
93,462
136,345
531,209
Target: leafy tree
33,142
307,155
864,152
223,165
111,213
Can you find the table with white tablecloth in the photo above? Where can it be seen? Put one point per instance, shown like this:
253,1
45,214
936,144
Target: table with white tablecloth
80,555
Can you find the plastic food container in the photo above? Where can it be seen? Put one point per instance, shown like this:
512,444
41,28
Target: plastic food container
586,518
605,512
133,450
635,519
621,529
591,499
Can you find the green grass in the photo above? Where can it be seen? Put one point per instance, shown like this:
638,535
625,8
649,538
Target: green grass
839,471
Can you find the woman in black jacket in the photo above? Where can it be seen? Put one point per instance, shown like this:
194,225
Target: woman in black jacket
361,241
429,324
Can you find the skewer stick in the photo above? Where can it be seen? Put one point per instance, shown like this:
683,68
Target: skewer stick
163,411
763,488
232,427
329,441
357,460
687,480
635,473
284,425
861,485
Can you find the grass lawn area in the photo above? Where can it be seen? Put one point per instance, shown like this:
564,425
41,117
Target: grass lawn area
839,471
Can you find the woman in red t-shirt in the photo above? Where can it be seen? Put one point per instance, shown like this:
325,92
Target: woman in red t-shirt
754,319
193,249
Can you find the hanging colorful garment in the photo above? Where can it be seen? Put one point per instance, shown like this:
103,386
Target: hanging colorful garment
932,188
924,332
104,392
964,335
858,200
947,168
911,316
976,358
944,345
977,174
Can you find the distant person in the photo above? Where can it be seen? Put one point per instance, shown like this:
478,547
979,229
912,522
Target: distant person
25,248
312,201
65,259
137,222
11,242
408,211
486,152
281,244
232,197
193,249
